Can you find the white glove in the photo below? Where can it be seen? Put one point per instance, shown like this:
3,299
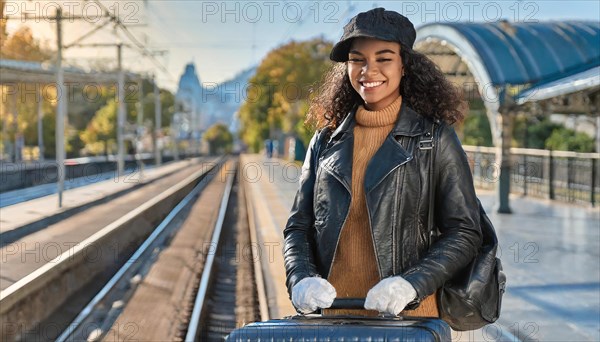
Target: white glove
391,295
312,293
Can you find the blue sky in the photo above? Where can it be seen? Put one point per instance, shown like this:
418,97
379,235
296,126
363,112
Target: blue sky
219,36
225,37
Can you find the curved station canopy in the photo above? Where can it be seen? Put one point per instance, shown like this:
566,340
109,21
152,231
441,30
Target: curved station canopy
536,60
510,64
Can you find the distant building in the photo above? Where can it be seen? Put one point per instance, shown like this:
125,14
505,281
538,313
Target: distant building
188,103
204,104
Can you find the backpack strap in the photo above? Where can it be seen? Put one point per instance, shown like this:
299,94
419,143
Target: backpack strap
426,146
427,143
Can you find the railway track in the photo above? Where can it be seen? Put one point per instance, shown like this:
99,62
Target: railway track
231,290
217,284
41,304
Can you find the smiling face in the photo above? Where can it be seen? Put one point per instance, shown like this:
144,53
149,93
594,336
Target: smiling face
375,69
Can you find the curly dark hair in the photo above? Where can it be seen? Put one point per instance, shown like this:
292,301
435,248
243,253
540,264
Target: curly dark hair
424,88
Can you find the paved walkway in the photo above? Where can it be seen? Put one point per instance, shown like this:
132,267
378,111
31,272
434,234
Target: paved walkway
26,254
549,251
25,213
22,195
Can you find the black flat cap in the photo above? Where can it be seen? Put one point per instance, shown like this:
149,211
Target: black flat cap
376,23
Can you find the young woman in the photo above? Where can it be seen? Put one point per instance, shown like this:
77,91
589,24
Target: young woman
358,226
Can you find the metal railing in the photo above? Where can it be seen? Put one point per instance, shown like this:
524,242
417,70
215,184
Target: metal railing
558,175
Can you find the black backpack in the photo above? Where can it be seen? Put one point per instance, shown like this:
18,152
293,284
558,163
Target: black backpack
473,297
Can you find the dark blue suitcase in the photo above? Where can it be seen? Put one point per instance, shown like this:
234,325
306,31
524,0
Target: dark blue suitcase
344,328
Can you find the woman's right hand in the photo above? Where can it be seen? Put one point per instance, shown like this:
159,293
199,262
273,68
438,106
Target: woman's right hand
312,293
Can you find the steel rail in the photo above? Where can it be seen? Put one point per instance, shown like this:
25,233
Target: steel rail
17,300
205,280
131,267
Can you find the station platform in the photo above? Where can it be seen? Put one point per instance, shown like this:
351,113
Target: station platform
33,214
22,253
549,251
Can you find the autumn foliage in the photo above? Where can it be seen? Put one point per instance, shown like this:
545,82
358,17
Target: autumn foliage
277,99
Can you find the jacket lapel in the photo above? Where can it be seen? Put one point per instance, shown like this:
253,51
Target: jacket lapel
337,157
337,160
391,154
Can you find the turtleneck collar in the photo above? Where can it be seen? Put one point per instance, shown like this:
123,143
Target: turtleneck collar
378,118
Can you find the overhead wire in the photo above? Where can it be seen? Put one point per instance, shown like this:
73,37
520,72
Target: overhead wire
347,14
94,30
299,22
141,48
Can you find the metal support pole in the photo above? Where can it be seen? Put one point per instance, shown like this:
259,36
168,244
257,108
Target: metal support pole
175,124
505,163
551,176
598,133
526,167
157,125
40,126
14,110
120,113
5,141
525,174
593,182
570,192
61,108
140,125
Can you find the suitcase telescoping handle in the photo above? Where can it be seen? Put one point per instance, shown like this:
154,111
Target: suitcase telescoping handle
348,303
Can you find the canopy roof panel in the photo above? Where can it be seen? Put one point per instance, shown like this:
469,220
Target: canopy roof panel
589,79
526,53
13,71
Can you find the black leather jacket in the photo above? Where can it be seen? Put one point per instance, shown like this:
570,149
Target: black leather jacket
397,197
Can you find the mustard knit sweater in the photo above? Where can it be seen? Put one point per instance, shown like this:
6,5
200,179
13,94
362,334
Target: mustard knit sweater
354,271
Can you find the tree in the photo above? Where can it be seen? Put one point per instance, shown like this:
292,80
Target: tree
564,139
100,135
531,131
3,34
21,45
219,139
476,129
167,101
541,133
277,99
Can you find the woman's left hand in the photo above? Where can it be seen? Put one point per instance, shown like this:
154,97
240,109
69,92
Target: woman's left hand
390,295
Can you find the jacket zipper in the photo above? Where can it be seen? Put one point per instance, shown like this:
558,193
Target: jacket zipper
371,225
394,236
